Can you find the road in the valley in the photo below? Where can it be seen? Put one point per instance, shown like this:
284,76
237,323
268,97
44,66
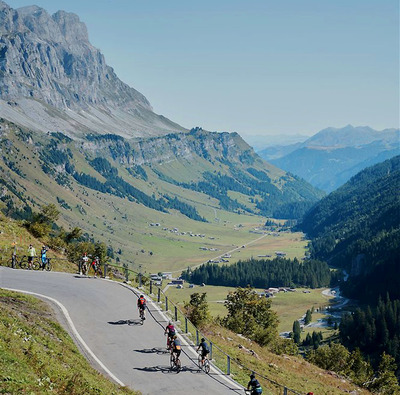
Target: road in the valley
105,318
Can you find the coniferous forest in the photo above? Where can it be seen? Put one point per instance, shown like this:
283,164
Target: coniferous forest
264,273
357,228
374,330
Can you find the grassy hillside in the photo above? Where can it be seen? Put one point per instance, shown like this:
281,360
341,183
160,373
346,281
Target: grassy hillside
38,356
290,371
99,186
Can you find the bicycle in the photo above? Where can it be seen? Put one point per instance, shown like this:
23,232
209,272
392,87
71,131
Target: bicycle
142,316
46,265
175,362
203,365
14,261
23,263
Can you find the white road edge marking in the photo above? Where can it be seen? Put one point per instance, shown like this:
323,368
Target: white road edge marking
72,326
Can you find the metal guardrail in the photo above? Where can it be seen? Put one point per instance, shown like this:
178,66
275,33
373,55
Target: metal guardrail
223,361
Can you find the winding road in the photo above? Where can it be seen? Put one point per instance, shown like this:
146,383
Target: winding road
101,317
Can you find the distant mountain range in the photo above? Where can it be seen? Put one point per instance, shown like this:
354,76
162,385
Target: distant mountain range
332,156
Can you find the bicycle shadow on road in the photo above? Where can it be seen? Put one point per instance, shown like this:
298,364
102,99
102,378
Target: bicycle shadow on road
154,350
125,322
167,369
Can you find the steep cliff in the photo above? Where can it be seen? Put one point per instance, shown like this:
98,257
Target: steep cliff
52,78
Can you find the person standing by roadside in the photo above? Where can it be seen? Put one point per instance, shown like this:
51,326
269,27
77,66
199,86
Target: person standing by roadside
31,255
43,253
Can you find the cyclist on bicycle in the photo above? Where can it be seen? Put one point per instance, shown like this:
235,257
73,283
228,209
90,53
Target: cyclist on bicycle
95,265
141,304
84,267
170,332
43,253
255,385
176,347
204,350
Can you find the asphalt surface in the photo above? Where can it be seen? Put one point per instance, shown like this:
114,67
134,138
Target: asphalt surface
109,334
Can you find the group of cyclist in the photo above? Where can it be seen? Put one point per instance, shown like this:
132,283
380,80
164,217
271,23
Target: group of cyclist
95,264
175,347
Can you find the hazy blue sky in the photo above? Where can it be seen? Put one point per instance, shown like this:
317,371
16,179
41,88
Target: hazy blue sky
254,67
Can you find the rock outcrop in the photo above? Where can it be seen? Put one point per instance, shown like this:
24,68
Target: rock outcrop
51,77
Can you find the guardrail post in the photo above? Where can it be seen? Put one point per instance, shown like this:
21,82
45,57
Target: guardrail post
159,295
140,280
211,350
105,270
166,303
186,326
197,337
284,391
126,274
228,365
176,314
151,287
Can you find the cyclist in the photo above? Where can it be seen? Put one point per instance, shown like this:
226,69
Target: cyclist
84,267
31,255
204,350
170,332
141,304
95,265
176,347
255,385
43,253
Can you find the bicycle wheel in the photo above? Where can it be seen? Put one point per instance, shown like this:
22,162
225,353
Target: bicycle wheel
23,263
48,265
199,359
35,264
178,364
206,366
172,361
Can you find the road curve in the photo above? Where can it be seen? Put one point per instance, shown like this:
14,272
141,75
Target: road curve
106,321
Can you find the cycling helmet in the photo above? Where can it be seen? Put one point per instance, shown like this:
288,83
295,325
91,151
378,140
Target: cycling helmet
203,340
252,376
175,337
170,323
141,296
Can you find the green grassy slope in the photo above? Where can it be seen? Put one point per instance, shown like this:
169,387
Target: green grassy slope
37,170
38,357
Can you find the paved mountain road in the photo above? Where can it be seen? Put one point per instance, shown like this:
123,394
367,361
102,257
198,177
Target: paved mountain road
105,316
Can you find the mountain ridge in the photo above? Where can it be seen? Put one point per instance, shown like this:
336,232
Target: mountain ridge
47,60
331,157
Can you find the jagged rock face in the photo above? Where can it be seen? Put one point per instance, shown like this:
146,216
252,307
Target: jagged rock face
164,149
49,59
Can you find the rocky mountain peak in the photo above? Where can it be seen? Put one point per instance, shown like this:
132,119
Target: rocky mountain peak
71,27
47,60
